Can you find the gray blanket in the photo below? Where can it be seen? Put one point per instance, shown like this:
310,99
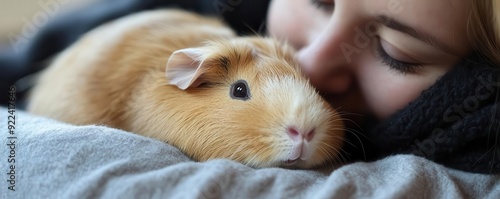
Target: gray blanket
57,160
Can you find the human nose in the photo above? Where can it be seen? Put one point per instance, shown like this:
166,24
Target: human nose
324,62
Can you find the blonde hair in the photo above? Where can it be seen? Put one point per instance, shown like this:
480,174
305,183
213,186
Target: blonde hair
483,29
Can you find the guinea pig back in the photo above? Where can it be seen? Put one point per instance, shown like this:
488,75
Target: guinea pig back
189,81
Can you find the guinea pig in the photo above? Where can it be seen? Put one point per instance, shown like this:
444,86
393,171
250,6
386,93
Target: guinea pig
190,81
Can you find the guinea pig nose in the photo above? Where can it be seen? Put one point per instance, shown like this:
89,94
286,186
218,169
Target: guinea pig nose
297,136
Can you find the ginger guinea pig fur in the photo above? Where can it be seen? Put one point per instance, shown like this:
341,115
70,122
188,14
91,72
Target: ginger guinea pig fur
190,81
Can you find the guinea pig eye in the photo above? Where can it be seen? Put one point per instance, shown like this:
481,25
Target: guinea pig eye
239,90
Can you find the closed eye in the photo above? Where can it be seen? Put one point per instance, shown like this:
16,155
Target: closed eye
397,65
325,5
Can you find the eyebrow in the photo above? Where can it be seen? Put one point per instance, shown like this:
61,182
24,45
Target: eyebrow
416,33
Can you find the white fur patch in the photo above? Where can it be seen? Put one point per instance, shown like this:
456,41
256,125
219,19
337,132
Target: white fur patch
302,108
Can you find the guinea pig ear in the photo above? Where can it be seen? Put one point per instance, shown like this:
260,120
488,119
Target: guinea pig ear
184,68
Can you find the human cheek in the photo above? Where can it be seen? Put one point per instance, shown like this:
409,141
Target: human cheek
283,22
387,91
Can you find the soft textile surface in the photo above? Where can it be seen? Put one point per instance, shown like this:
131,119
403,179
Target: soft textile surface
57,160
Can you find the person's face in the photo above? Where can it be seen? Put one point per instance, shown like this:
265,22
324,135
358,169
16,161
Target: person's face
372,56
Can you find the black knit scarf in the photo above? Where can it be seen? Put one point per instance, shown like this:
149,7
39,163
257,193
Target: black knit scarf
455,122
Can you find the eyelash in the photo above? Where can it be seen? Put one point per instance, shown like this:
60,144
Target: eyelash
394,64
399,66
323,5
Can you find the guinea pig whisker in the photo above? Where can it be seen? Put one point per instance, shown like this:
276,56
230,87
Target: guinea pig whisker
360,142
331,159
336,110
335,136
354,131
342,113
345,120
339,137
338,120
339,154
342,152
355,134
